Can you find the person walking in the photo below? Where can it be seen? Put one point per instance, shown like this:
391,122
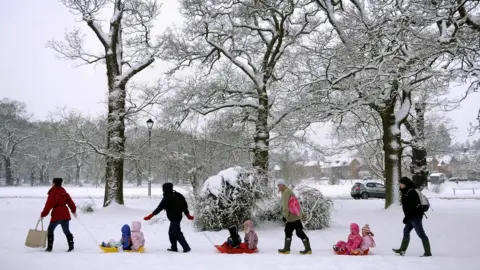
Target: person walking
57,201
292,222
175,205
412,209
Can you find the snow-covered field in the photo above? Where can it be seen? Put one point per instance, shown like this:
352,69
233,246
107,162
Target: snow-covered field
452,228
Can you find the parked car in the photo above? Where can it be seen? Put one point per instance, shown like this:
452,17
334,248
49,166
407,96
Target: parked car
437,178
368,190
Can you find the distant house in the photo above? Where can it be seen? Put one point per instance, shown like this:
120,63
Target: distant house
343,167
313,168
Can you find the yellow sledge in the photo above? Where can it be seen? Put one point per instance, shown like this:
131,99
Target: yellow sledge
114,250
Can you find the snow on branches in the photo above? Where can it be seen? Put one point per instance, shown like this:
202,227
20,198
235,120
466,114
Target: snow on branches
226,199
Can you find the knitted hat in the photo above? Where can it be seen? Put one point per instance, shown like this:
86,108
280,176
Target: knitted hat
58,181
366,229
281,182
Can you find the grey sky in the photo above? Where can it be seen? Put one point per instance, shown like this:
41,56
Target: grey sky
31,73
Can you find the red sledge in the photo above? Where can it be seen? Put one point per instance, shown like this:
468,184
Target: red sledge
353,253
223,249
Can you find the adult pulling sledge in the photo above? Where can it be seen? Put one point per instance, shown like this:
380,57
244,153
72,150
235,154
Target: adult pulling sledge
175,205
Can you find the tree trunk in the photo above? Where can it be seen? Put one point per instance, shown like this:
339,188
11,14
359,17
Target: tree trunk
262,138
138,174
32,177
8,172
418,167
115,146
393,154
42,175
77,174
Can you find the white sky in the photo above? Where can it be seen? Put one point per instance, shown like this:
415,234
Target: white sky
32,74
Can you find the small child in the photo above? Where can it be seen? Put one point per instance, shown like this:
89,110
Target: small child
138,240
126,240
251,238
367,239
353,244
234,240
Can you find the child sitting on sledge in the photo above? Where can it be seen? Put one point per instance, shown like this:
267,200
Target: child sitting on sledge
352,246
126,240
251,238
137,238
234,240
367,239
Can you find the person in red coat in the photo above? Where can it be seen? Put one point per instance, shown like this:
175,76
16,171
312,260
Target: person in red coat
57,201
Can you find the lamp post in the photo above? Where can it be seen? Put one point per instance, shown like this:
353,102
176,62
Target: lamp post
149,125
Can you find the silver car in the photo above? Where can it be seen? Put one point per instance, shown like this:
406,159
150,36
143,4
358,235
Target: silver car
368,190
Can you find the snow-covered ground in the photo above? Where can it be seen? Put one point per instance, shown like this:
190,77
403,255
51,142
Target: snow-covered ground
452,228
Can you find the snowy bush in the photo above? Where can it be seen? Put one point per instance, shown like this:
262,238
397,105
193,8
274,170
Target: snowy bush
316,209
226,199
271,210
87,206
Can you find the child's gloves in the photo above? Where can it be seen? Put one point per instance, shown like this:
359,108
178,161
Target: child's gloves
148,217
284,219
190,217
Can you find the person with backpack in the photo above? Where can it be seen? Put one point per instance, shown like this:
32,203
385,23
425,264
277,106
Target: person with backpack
292,217
414,205
59,202
175,205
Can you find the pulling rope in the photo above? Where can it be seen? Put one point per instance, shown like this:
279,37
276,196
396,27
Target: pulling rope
208,238
88,232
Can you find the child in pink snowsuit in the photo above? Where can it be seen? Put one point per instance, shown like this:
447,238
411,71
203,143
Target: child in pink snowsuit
367,239
353,243
251,238
138,240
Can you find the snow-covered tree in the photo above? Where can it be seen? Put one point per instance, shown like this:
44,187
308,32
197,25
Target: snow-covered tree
254,42
386,52
14,132
128,48
226,199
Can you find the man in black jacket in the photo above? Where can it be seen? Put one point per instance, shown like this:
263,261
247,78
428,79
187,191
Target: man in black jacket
175,205
413,217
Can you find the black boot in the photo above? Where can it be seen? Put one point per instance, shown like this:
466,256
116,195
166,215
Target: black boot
308,249
70,242
286,248
403,246
172,249
426,247
49,243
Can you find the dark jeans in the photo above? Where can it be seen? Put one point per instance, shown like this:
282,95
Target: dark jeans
175,235
63,223
414,223
296,226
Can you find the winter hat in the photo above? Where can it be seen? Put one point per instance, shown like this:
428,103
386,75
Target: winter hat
167,187
281,182
354,228
407,182
366,229
249,225
58,181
